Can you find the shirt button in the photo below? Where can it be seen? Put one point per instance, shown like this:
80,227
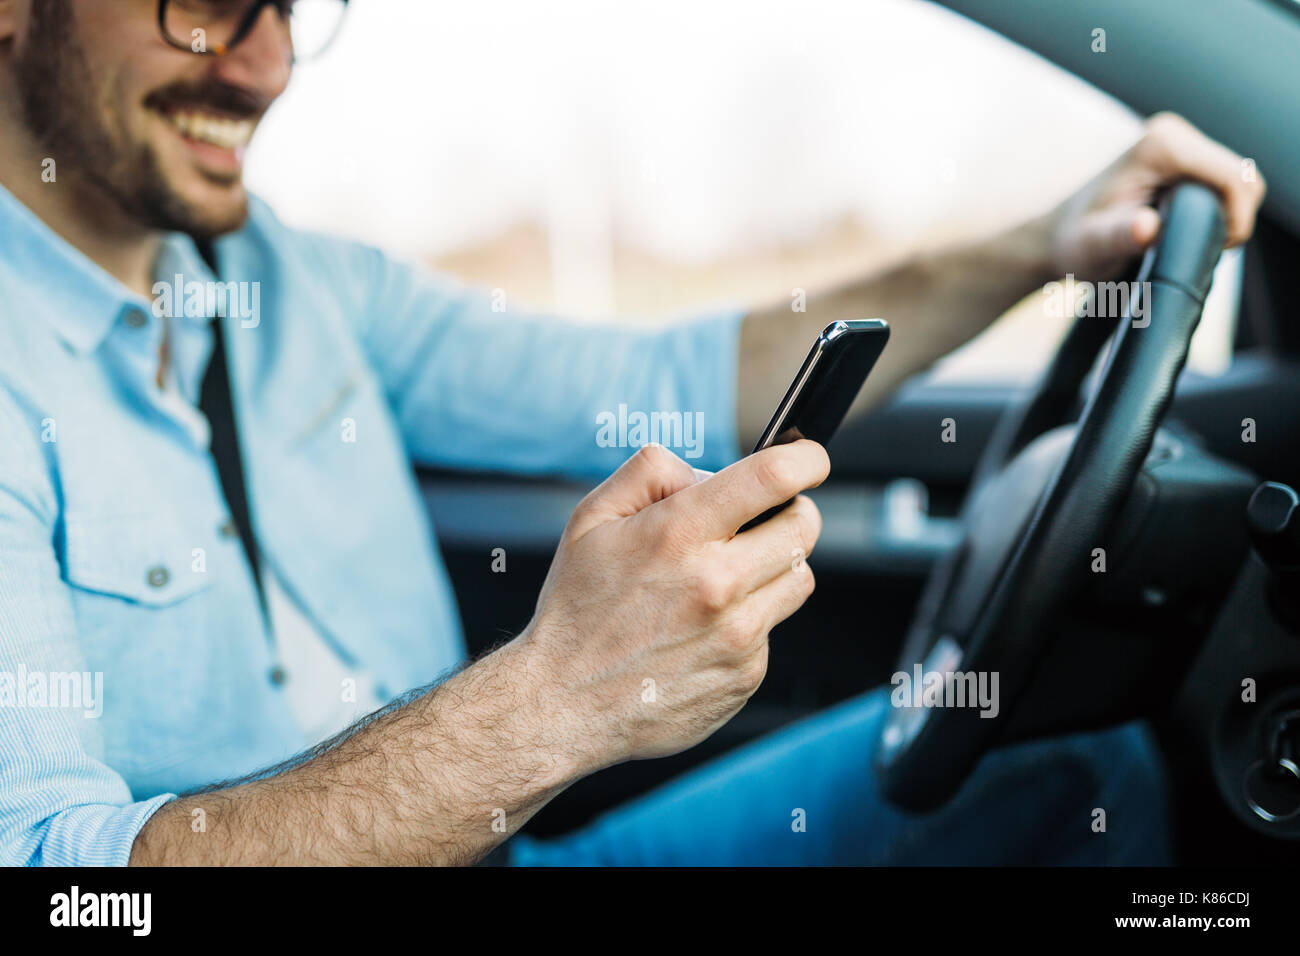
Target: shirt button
135,319
228,529
278,675
158,576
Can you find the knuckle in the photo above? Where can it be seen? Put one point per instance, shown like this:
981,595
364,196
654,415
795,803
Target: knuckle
749,674
714,592
807,523
1160,134
776,472
807,583
823,462
738,632
658,459
584,507
1166,123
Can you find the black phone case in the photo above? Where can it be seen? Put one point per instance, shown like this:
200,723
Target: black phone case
824,389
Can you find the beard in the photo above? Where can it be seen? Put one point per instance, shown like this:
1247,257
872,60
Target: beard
57,97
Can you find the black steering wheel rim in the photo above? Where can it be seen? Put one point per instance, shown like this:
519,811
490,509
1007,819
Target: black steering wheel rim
924,754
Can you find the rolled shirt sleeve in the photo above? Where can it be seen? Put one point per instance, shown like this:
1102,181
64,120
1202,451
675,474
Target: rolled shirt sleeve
476,384
60,805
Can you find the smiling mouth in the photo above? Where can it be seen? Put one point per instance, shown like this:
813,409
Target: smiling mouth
211,128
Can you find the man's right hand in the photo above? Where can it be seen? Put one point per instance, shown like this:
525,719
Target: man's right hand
651,629
651,584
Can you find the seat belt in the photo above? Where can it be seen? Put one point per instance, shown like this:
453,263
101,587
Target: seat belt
215,402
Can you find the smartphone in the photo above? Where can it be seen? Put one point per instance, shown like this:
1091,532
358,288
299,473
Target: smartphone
827,383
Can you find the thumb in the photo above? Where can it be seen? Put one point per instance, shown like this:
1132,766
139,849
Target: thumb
650,475
1108,238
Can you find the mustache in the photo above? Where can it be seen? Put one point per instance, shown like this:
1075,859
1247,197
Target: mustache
215,95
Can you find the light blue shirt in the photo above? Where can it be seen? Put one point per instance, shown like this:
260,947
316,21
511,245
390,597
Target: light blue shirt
134,661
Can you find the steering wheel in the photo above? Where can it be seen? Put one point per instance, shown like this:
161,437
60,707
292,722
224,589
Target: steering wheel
1042,500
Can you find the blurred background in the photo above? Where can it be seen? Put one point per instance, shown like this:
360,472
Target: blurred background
645,159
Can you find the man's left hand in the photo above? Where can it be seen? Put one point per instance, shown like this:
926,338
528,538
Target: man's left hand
1111,219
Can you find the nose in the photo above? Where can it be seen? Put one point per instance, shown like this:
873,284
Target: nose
264,59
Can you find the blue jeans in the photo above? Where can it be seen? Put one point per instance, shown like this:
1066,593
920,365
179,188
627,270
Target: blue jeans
1032,803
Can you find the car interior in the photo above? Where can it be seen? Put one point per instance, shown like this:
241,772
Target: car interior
985,548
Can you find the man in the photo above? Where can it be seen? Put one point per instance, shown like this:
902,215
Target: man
229,647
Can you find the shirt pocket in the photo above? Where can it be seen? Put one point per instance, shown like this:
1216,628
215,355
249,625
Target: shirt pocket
144,597
332,415
138,558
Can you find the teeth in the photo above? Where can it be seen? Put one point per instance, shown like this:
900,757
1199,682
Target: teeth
217,130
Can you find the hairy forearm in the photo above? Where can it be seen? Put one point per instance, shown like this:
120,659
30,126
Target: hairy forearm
933,303
440,780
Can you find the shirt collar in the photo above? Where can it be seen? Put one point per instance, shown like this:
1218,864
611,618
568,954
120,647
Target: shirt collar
84,300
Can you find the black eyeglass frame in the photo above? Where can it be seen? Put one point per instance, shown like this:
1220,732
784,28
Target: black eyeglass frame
283,7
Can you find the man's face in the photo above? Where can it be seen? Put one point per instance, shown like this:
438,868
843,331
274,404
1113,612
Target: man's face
157,131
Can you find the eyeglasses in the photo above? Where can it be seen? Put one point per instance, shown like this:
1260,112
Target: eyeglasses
215,27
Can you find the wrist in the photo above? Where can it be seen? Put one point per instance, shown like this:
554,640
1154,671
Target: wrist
1029,250
543,713
489,742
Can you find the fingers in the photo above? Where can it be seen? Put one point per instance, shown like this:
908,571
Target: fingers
1115,234
1175,149
778,546
743,633
719,505
652,474
782,596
